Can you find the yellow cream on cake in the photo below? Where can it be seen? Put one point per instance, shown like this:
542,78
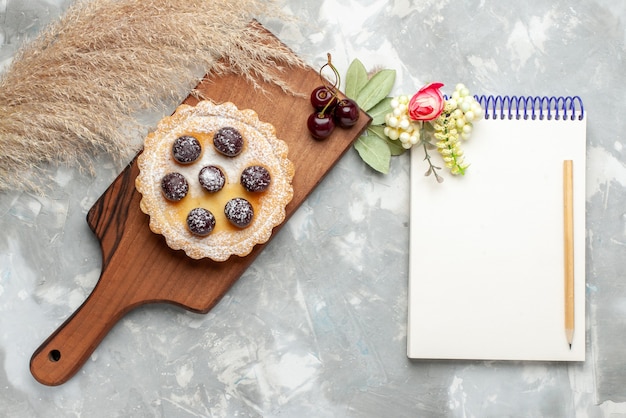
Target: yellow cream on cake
254,168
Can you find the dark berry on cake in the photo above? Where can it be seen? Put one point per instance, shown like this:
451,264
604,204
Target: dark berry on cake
255,178
186,149
212,178
174,186
239,212
200,221
228,141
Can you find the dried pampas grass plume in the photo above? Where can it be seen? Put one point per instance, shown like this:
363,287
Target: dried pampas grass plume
76,89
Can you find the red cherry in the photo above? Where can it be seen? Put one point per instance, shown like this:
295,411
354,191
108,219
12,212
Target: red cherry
346,113
323,98
320,125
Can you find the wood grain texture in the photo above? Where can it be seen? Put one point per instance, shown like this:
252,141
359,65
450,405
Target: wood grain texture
137,266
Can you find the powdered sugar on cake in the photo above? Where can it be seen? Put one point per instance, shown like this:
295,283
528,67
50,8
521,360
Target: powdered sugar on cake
261,148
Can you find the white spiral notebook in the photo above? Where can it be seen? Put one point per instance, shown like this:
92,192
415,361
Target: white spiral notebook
486,276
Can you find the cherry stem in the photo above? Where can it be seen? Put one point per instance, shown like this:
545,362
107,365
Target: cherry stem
323,111
332,88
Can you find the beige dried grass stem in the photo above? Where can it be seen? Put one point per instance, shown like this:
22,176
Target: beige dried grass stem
77,88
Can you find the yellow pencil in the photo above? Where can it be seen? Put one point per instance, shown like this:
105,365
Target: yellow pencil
568,235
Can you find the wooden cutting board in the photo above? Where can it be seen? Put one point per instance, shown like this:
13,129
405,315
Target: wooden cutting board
139,268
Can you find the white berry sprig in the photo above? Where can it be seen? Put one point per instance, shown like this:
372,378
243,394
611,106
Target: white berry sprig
450,127
399,123
454,124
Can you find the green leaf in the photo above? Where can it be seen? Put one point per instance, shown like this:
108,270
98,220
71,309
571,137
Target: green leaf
377,130
374,151
356,79
376,89
379,111
395,147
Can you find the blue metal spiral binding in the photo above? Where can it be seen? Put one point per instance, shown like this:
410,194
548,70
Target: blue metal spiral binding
533,107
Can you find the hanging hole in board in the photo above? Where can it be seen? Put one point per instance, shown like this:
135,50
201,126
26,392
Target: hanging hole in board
54,355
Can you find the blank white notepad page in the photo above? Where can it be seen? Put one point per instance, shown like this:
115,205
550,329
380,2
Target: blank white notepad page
486,277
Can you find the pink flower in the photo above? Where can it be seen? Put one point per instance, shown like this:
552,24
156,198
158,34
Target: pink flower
427,103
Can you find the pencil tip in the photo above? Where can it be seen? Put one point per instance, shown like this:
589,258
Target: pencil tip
570,346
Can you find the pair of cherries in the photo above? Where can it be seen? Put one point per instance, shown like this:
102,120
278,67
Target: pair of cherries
330,110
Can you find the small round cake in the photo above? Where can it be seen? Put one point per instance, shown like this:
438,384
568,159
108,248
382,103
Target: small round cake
214,180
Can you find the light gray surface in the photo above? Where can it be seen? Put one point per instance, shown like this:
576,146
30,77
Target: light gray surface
317,325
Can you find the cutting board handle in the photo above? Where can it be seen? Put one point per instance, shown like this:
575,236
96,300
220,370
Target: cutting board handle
68,348
139,267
